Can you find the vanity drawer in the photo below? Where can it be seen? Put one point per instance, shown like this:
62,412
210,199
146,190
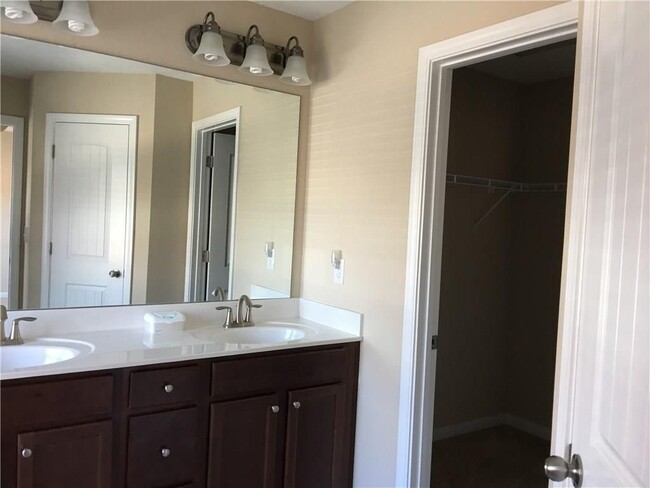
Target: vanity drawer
54,401
167,386
235,376
164,449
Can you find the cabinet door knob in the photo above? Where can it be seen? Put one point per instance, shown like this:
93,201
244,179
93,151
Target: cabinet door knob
296,404
165,452
169,388
26,452
275,409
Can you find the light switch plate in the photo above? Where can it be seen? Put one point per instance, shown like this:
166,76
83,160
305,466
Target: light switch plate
270,260
338,273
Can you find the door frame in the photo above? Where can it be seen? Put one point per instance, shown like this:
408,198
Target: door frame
15,215
196,224
51,119
426,215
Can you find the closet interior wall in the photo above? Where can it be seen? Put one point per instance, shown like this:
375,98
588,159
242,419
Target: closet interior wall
500,279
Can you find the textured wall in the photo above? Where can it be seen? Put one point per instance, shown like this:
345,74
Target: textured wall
361,135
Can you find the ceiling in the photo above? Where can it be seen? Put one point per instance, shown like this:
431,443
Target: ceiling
21,58
307,9
544,63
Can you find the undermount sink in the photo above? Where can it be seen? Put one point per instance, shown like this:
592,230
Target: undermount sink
40,352
269,333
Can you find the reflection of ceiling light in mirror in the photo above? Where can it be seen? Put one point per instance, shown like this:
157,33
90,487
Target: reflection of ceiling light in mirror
75,19
18,12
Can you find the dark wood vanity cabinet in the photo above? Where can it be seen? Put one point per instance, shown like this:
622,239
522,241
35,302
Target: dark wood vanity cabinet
277,419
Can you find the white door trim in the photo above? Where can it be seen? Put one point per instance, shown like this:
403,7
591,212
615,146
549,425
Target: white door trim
51,119
426,212
15,223
195,222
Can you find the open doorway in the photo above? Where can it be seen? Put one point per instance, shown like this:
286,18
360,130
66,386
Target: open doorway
212,208
507,161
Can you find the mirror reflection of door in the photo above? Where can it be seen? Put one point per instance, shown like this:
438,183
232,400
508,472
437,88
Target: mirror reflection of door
90,212
11,172
222,157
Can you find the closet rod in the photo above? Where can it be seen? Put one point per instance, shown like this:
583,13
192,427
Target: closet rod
510,186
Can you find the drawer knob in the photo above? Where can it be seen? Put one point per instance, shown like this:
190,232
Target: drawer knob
169,388
296,405
165,452
26,453
275,409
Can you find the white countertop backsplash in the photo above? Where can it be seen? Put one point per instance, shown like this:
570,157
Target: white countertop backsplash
120,339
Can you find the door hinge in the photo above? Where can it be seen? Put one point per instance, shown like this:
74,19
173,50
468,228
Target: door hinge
205,256
434,342
49,248
209,161
53,150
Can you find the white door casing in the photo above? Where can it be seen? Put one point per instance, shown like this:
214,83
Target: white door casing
602,395
88,210
426,212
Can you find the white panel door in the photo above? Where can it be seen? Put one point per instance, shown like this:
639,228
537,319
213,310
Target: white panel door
609,419
88,214
223,149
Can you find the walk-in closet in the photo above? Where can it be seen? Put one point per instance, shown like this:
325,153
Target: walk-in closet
508,149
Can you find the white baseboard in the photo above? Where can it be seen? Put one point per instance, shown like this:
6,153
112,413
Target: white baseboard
485,423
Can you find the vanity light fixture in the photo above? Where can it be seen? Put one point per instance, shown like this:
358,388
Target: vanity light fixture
250,52
75,19
17,12
295,71
72,16
210,50
256,61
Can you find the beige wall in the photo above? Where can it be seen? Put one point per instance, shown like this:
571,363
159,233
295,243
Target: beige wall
169,190
6,164
266,179
361,134
91,93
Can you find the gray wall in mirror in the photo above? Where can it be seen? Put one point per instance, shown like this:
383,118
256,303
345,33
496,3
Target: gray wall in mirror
48,86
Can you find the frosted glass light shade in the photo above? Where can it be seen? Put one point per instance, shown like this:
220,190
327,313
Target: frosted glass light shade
295,72
18,12
256,63
211,50
75,19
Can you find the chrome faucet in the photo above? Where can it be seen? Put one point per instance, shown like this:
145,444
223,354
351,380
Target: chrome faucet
243,316
14,337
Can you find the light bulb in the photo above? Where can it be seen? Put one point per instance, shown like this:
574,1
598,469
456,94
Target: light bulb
13,13
76,26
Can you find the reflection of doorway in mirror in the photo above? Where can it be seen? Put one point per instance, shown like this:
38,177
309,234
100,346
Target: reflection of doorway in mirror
11,171
213,186
89,210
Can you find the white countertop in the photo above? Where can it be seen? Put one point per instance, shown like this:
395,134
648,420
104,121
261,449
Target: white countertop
117,338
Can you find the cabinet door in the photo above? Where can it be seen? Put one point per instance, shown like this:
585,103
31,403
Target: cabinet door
315,437
78,456
163,449
243,438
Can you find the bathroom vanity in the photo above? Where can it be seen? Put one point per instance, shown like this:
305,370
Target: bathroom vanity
202,407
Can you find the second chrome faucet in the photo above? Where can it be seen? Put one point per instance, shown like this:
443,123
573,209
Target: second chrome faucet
243,316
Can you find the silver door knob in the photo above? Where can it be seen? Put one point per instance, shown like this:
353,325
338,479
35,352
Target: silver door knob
165,452
26,452
296,404
275,409
557,469
115,273
169,388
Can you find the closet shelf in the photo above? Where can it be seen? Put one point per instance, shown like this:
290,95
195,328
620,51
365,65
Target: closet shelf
511,186
507,186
